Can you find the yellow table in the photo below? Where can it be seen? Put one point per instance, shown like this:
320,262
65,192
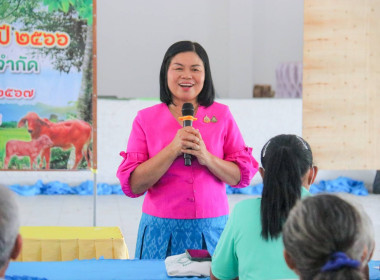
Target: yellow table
69,243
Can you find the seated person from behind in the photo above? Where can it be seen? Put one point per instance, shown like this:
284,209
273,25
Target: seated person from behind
10,239
251,244
327,237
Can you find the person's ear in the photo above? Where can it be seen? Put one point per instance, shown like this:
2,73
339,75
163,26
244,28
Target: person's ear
17,248
364,261
289,261
365,254
262,171
370,256
312,175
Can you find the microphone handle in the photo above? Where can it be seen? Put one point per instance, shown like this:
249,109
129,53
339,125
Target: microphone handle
187,157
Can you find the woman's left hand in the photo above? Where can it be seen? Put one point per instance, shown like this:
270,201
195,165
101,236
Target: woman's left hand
199,150
226,171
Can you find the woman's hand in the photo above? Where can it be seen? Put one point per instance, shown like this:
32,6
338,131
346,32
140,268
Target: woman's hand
187,138
194,145
191,143
150,171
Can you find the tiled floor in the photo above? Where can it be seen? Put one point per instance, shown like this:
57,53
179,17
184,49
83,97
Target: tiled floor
119,210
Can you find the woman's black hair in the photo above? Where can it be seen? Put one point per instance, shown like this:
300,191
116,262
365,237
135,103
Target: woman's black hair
285,159
207,95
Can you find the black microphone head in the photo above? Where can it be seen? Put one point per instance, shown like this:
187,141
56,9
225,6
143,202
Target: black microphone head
187,109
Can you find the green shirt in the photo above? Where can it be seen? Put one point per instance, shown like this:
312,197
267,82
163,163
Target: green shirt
241,251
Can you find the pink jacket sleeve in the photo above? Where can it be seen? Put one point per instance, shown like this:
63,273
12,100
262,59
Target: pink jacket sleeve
236,151
247,164
127,166
137,153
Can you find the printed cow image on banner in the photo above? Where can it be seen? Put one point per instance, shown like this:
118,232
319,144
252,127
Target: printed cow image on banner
46,85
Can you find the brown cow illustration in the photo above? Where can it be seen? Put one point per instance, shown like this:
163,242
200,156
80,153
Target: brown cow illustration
66,134
32,149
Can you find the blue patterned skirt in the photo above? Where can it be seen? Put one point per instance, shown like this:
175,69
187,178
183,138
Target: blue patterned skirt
159,238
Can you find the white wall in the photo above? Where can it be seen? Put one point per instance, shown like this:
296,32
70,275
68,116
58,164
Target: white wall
258,120
133,38
245,41
277,37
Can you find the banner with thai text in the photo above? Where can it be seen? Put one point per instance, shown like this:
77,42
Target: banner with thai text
47,109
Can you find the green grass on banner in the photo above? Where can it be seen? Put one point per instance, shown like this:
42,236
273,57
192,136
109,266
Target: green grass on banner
7,134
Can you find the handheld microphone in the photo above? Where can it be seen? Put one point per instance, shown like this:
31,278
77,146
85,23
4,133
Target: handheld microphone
187,117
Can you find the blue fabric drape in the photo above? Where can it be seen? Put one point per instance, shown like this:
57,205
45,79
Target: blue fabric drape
341,184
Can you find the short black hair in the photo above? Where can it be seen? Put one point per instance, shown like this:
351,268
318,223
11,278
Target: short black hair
207,95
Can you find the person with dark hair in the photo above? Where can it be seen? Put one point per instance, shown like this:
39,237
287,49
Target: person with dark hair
250,246
185,206
328,237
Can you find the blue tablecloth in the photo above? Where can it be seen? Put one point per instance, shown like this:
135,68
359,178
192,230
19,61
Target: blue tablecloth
374,270
109,269
93,270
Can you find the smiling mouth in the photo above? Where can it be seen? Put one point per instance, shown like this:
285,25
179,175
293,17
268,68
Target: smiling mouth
186,85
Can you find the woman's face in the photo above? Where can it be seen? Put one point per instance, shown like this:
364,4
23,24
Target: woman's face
186,76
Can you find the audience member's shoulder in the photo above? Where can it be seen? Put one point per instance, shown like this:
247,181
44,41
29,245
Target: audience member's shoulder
251,205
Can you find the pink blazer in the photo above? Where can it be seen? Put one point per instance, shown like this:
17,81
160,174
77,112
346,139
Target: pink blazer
186,192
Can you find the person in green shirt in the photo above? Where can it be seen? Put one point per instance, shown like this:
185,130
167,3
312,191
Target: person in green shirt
250,246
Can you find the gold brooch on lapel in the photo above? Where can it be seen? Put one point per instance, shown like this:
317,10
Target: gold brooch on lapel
206,119
214,120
